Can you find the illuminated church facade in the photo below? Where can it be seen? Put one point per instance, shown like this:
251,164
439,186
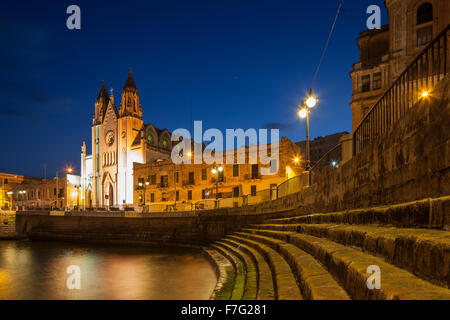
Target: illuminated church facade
119,138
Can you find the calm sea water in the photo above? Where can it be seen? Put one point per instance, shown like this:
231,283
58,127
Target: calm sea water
38,270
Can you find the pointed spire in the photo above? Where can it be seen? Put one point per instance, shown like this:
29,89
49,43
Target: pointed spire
130,81
103,93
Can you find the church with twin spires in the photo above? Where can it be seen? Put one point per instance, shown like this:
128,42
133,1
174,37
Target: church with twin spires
119,138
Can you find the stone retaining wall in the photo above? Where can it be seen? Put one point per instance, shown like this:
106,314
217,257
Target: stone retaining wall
202,229
7,224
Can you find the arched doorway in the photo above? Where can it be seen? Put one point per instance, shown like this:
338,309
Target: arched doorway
111,195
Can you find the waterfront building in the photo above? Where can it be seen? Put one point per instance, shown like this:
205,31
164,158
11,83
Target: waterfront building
7,183
158,184
58,193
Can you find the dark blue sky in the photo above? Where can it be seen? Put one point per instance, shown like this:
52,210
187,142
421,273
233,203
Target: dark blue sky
245,63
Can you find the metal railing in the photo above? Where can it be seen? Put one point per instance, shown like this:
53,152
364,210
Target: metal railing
428,68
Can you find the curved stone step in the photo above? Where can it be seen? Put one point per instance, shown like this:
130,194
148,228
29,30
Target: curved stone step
424,252
225,275
315,281
350,267
239,268
251,276
285,283
266,289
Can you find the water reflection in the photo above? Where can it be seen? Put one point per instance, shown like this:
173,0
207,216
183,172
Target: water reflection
37,270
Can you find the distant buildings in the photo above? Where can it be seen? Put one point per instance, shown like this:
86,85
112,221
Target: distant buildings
321,146
7,183
57,193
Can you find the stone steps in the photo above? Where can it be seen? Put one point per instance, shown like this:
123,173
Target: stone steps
225,275
349,266
427,213
426,253
239,271
266,289
314,280
251,273
285,284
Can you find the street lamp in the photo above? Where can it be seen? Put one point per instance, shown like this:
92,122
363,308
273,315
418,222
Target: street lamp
309,103
216,170
143,186
22,193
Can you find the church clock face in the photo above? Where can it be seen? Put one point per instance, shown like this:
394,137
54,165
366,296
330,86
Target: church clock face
110,138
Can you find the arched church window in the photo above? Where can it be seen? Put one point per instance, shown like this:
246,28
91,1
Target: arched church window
425,13
150,138
165,144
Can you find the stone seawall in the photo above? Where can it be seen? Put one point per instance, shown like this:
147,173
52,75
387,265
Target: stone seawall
8,225
171,229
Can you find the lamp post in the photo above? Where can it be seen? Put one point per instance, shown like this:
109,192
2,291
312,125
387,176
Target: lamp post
216,169
22,193
303,113
143,186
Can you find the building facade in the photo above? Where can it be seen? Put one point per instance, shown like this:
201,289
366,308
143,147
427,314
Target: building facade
58,193
7,183
385,53
161,182
119,139
321,146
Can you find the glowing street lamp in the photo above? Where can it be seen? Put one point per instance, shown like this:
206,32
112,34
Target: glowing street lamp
216,171
307,104
425,94
22,192
143,186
